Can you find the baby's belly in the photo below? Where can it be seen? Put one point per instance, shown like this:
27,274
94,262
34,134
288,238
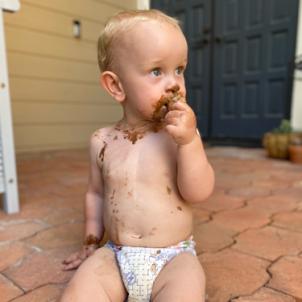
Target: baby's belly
154,220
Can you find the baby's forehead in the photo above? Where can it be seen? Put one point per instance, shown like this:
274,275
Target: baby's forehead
144,39
141,30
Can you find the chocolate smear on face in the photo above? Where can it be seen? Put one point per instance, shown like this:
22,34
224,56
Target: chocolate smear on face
156,122
162,107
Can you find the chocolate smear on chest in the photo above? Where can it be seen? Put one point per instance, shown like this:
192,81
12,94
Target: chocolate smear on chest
133,135
102,152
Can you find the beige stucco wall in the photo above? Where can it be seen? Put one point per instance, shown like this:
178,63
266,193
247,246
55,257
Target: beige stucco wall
296,112
56,98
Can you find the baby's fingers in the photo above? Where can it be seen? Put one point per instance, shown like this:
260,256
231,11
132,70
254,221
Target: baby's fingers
172,130
179,106
71,258
73,265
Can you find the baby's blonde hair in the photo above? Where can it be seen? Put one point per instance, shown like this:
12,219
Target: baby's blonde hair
118,25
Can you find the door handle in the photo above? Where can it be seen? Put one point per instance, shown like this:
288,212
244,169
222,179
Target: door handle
205,41
206,30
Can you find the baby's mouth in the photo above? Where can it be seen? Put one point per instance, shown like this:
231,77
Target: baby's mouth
163,105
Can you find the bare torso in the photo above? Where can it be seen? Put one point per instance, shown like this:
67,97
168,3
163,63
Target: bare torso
142,205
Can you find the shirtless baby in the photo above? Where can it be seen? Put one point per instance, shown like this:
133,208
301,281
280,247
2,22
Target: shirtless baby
146,172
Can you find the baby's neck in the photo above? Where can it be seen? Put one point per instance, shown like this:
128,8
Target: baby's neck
135,131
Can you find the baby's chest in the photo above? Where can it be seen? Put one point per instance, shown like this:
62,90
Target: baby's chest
144,161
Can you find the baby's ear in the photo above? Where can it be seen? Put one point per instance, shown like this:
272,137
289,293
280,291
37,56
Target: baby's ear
112,84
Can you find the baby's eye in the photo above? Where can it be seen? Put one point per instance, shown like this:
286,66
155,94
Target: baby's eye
156,72
180,70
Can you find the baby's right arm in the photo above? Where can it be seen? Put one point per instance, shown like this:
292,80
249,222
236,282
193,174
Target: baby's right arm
93,207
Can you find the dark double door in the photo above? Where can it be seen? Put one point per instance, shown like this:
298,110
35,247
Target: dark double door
240,63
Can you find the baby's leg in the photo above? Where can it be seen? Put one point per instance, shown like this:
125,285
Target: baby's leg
97,279
181,280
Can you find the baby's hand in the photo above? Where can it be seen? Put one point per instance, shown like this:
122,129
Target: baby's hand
181,123
76,259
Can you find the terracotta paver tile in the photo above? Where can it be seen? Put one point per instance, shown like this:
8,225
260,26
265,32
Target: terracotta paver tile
200,216
230,274
297,184
210,237
63,216
250,192
272,184
290,221
273,204
16,230
236,152
269,243
287,276
8,290
220,201
40,268
29,212
46,293
266,295
59,236
70,191
40,198
10,253
290,173
226,181
72,202
294,192
241,219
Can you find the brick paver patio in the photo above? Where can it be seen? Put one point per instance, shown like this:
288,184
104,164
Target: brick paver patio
248,234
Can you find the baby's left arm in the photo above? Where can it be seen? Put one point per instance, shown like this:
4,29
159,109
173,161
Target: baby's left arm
195,176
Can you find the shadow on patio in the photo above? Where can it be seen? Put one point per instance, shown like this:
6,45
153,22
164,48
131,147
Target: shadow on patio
248,234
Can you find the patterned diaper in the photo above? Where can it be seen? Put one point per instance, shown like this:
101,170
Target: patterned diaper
140,266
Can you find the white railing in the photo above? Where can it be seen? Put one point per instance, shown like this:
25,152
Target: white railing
8,176
1,171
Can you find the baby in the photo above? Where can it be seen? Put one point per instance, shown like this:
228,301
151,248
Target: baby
146,171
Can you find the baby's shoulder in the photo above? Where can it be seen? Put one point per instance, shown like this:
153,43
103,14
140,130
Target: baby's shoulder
99,136
103,133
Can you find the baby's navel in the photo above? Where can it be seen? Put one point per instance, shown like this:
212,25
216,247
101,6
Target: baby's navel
137,236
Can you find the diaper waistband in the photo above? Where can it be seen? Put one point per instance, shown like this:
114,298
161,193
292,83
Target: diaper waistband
185,244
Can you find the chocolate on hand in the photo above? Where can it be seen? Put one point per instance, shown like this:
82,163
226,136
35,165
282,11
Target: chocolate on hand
163,105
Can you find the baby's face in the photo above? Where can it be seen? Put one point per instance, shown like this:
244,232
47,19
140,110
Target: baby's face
151,64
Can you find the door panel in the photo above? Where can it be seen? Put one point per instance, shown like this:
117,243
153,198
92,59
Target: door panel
254,45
